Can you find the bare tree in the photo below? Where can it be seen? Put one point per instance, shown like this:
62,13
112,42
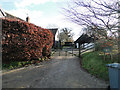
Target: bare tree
66,35
94,13
99,15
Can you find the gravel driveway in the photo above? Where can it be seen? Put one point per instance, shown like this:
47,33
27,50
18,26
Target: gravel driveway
60,72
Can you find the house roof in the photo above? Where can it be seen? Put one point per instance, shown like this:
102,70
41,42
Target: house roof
53,30
84,38
7,15
2,13
12,17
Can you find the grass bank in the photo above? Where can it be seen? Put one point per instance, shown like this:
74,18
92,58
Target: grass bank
95,64
19,64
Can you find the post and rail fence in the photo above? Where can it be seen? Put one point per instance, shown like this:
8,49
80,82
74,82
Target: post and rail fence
75,51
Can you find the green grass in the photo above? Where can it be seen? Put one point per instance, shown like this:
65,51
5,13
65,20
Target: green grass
52,53
96,65
18,64
12,65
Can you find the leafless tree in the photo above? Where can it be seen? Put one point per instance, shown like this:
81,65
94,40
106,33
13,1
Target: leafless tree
99,15
66,35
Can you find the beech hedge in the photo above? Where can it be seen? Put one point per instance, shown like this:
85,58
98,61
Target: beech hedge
24,41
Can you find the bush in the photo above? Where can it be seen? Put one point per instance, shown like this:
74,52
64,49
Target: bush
24,41
103,43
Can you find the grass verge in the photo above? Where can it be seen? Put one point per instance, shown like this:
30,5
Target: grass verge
19,64
95,64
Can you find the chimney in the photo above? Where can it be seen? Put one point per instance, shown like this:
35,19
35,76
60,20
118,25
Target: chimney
28,19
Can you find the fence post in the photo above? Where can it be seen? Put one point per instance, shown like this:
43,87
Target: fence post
79,50
66,52
59,52
72,50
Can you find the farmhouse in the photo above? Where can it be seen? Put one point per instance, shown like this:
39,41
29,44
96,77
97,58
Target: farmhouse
56,41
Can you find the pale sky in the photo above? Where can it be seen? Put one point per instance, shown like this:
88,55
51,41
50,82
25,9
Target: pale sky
44,13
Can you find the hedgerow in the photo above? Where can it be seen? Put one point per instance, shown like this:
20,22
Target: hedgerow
24,41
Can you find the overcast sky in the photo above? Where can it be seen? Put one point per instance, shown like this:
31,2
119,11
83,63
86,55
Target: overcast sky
44,13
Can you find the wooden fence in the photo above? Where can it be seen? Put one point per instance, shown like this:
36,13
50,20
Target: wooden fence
87,48
76,51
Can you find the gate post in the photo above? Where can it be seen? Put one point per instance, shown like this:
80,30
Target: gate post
72,50
79,50
59,52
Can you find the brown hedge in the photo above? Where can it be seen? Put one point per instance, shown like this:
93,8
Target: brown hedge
24,41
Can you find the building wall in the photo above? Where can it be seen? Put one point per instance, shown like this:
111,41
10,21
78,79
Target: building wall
57,36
